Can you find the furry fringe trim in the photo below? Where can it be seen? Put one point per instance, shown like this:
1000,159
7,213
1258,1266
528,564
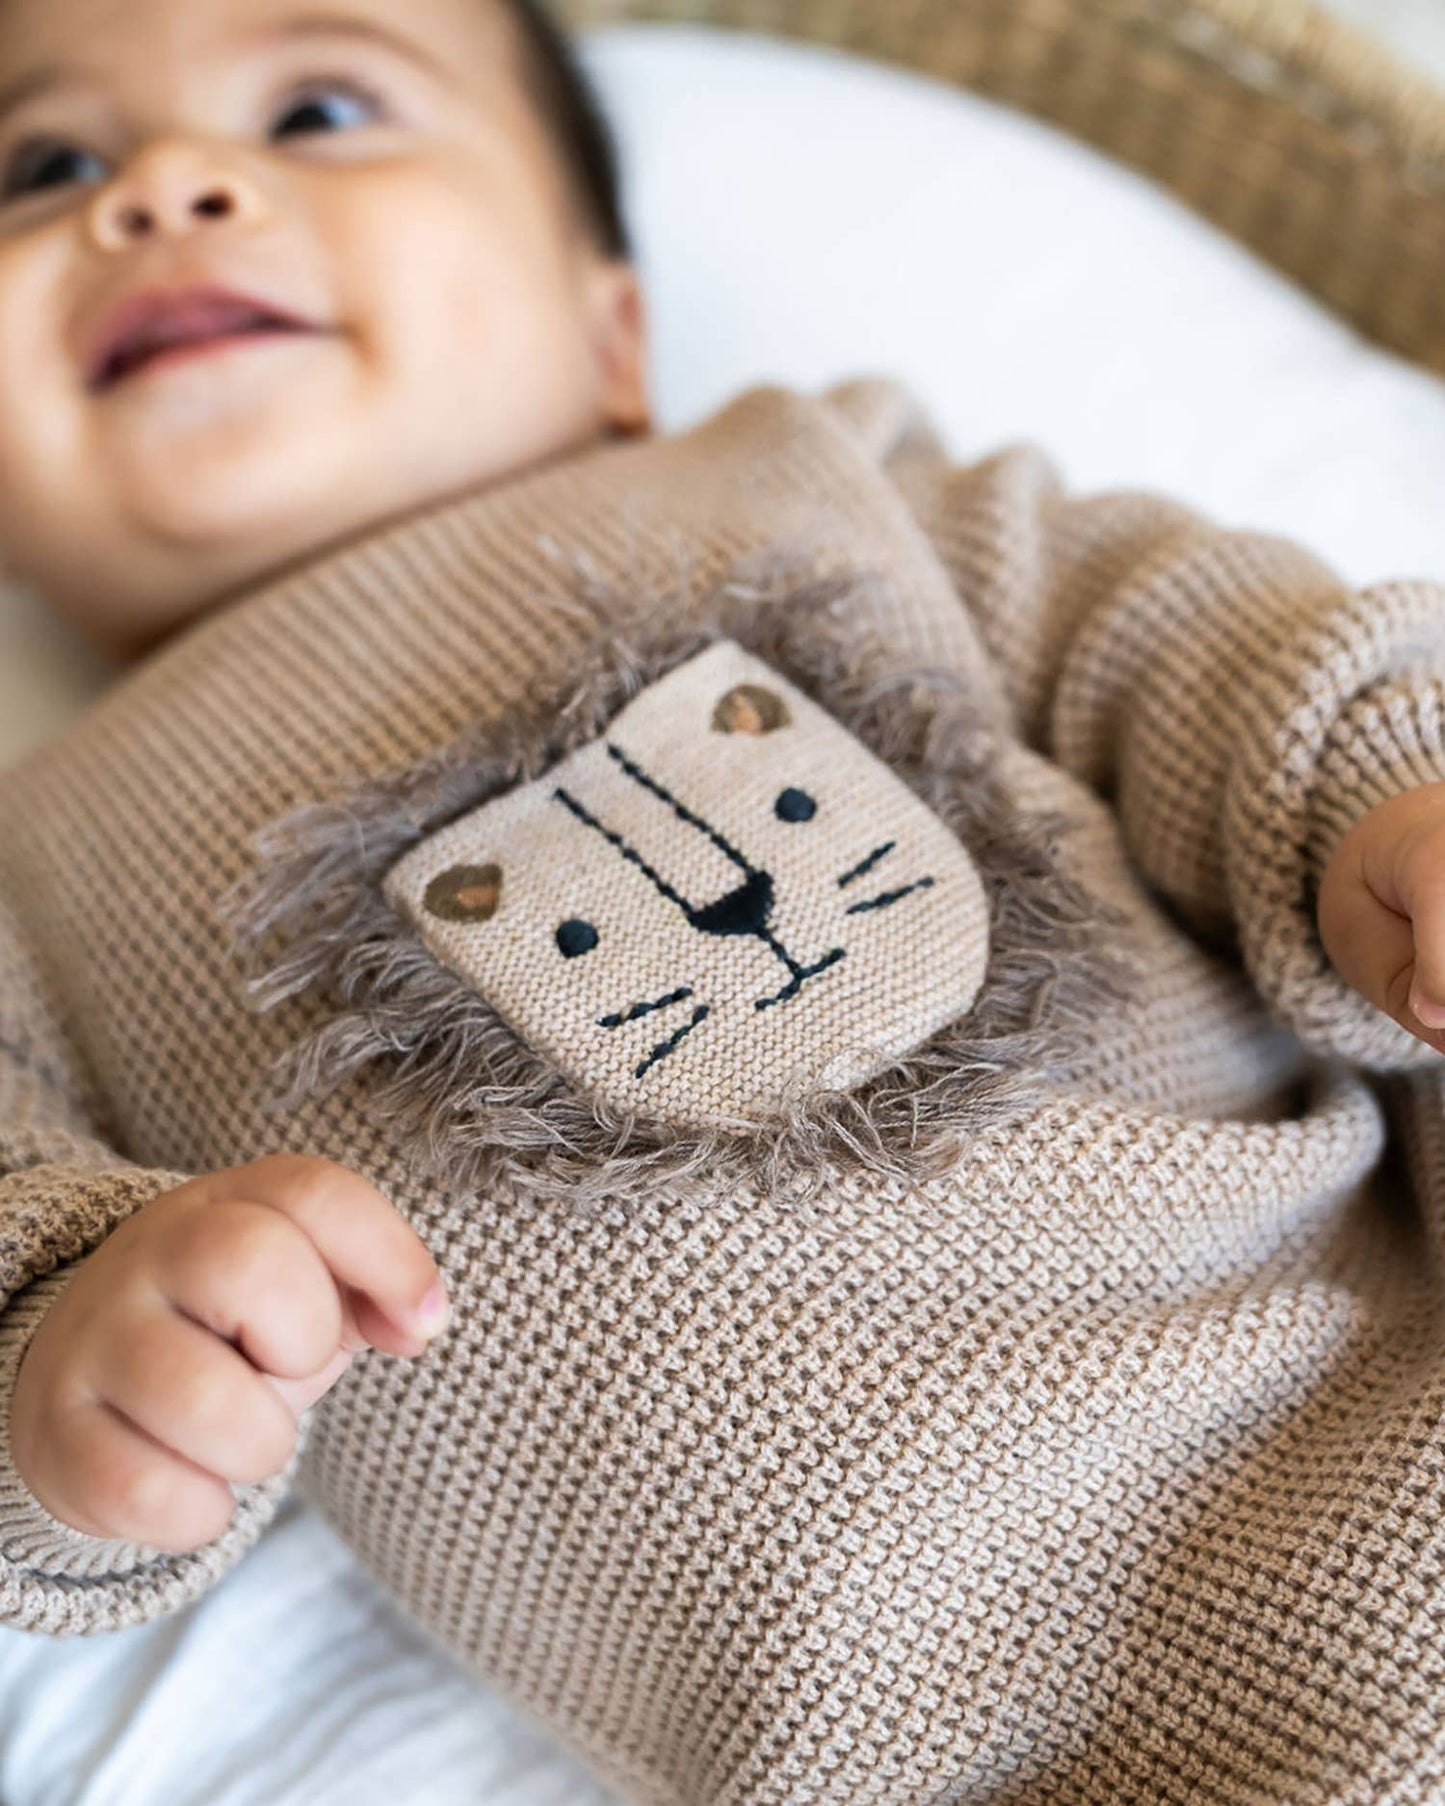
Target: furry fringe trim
481,1110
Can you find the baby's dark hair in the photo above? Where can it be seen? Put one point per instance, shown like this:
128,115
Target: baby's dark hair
570,109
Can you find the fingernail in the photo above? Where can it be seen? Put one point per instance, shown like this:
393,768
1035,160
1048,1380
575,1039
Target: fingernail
432,1312
1431,1014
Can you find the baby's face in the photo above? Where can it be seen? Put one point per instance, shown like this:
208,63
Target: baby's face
375,170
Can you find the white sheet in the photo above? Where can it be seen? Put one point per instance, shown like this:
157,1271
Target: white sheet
1414,29
293,1683
802,216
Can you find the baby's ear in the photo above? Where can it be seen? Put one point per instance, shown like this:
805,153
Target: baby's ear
617,307
750,709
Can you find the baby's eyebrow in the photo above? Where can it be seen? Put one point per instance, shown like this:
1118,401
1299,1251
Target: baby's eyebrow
334,25
311,25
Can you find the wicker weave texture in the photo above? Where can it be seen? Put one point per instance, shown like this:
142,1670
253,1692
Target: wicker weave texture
1302,137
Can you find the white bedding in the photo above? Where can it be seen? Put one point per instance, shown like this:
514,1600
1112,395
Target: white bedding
293,1683
1025,288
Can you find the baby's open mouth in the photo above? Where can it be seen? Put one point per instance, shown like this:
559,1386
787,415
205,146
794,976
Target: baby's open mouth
166,327
168,350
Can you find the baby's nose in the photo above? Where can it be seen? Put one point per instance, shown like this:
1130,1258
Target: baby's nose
169,188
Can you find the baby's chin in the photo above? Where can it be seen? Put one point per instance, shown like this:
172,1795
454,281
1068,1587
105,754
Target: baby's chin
227,472
219,502
209,454
217,477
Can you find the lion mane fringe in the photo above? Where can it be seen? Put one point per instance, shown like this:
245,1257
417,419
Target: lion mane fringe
481,1110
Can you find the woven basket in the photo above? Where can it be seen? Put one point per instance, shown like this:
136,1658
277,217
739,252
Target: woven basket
1304,138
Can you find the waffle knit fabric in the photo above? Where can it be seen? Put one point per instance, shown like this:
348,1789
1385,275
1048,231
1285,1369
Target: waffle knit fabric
1107,1463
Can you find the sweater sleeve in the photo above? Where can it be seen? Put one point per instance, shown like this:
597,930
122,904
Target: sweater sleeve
1238,703
63,1189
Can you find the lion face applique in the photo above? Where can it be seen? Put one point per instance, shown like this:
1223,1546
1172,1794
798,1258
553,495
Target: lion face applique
738,903
724,903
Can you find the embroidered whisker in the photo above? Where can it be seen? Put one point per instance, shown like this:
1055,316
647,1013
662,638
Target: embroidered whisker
888,896
643,1009
673,1042
867,864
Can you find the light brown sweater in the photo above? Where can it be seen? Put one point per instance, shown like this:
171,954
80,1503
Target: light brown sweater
1093,1451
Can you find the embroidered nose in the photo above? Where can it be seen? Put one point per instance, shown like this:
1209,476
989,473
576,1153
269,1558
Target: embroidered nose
742,911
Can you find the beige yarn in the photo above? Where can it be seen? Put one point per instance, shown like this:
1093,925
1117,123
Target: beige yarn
1107,1466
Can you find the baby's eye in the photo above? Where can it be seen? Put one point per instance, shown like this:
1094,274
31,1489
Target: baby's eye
51,163
44,163
317,108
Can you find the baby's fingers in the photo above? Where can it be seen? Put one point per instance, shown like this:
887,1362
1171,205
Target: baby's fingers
1371,947
381,1267
1405,867
133,1488
1381,911
1425,890
302,1394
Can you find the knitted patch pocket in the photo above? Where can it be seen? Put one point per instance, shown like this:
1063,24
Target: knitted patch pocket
740,900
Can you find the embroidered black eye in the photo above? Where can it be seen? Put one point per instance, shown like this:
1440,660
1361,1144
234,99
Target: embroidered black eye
575,937
795,805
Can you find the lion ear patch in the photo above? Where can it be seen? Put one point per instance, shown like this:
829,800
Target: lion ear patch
703,927
464,893
750,709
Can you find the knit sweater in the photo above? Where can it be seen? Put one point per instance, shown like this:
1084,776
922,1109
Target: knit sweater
819,941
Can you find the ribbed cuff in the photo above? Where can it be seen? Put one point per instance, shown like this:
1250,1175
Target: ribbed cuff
60,1581
69,1210
1390,739
29,1534
1361,729
890,420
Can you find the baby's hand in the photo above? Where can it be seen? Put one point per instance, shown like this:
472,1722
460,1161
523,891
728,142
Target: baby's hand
1381,910
187,1346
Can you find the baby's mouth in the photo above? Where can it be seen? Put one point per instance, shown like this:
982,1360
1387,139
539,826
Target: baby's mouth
184,326
174,351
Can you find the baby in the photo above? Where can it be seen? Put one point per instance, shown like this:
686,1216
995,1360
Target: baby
319,333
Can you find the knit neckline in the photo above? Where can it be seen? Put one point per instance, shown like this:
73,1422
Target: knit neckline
417,538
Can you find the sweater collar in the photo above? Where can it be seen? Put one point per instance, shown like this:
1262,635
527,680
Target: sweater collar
462,607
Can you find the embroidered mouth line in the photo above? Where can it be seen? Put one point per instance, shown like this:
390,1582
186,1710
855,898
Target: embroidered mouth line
800,974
